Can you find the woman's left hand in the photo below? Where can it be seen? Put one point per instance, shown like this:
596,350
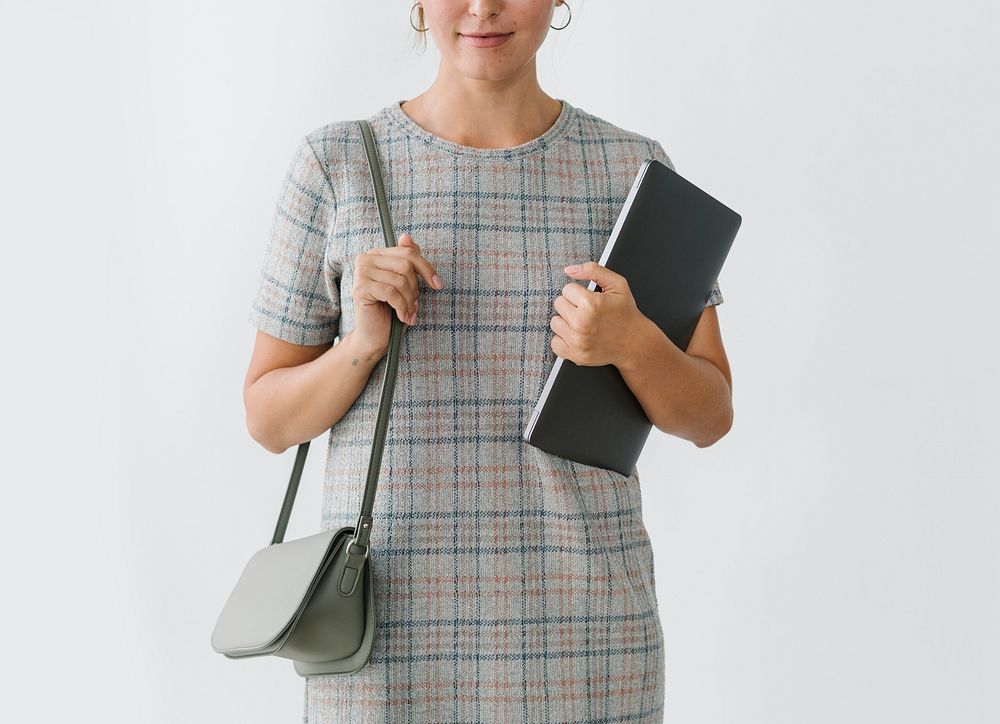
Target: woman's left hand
595,327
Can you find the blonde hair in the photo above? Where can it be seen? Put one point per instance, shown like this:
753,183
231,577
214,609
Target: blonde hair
420,41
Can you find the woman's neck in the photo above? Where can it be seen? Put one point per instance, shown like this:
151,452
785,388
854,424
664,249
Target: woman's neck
482,114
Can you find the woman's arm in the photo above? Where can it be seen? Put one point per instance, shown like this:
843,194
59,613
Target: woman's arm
683,393
687,393
293,392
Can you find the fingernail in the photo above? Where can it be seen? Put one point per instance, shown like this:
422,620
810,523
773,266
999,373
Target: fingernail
573,268
436,281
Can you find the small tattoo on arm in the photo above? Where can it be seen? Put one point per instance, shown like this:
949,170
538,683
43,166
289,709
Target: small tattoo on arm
354,362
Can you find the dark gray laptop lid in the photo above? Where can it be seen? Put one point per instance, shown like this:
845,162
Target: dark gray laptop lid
670,242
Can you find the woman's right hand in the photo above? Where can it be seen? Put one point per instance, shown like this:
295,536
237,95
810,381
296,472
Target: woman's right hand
385,283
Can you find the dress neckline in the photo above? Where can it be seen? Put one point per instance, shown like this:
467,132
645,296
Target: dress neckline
395,113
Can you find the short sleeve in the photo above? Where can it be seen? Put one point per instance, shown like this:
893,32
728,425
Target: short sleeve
660,155
715,294
298,298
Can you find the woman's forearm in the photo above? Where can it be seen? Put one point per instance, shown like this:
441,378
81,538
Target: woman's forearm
682,395
290,405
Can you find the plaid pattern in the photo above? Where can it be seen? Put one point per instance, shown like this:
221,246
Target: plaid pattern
512,585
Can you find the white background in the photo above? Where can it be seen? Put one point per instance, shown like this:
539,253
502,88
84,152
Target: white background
833,559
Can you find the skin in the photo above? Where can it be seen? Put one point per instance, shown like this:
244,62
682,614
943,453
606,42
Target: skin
488,98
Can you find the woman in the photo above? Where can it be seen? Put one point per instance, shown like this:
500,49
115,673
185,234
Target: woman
513,585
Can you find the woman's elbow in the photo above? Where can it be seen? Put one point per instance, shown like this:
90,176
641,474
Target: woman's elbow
259,427
264,436
718,432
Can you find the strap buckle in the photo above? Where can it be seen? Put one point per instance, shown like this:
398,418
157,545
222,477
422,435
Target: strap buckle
362,531
354,542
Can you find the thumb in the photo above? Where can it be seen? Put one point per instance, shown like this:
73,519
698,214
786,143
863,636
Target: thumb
606,279
406,240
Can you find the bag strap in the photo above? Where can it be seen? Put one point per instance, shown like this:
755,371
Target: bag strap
362,529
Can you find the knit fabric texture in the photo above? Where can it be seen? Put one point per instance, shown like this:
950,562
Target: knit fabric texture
511,585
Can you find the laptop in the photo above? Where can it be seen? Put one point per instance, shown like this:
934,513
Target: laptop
670,241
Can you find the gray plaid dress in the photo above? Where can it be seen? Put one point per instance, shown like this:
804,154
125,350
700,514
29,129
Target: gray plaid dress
512,585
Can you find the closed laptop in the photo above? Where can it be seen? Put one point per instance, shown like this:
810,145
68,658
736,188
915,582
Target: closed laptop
670,241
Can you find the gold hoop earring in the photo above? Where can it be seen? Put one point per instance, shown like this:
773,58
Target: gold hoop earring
570,11
412,8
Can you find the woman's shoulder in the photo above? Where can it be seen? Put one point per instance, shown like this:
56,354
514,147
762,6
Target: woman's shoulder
329,139
604,136
329,147
336,141
337,133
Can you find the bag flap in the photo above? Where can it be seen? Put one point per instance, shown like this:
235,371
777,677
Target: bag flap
272,591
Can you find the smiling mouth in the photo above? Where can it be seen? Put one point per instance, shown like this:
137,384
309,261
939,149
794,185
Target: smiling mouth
486,40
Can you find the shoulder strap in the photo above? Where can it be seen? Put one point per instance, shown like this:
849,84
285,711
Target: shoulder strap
362,530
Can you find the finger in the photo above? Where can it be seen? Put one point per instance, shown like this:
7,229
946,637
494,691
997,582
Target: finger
390,270
411,251
605,278
560,327
419,264
406,240
424,268
388,293
396,264
559,347
578,295
567,310
402,283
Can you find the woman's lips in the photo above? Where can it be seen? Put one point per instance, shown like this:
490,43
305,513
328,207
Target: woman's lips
486,41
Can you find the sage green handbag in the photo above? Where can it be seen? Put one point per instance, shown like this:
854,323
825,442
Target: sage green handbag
312,599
